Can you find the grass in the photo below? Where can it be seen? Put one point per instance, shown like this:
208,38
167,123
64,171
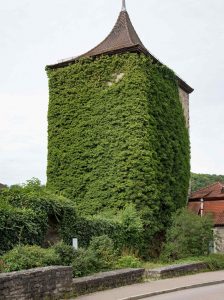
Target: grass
159,264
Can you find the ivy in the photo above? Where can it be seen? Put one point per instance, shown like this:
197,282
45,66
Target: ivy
113,142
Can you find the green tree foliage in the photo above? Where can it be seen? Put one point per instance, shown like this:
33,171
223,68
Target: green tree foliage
189,235
199,181
113,142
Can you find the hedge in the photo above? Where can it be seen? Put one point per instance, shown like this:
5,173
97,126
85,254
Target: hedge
24,217
20,226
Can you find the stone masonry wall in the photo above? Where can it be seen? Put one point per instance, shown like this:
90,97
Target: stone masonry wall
184,97
53,283
37,284
219,240
106,280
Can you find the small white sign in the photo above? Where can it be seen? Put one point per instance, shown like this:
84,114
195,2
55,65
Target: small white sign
75,243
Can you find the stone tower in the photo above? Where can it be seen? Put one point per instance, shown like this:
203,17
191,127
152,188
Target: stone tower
118,132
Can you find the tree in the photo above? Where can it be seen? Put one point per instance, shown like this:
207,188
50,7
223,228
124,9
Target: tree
199,181
189,235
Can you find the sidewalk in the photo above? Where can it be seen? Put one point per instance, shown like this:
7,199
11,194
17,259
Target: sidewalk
156,286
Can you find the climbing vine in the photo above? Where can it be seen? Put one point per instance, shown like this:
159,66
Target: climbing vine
117,135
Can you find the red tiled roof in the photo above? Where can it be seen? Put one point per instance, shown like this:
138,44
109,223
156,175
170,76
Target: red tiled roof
122,38
213,191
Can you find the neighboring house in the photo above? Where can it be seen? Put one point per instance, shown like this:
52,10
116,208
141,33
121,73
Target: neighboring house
211,200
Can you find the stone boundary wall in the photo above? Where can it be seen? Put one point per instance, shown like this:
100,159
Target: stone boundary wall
57,283
38,284
175,270
101,281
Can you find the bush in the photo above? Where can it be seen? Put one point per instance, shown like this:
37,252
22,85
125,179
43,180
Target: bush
85,228
189,235
215,262
84,263
128,261
99,256
103,249
28,257
66,253
132,228
124,226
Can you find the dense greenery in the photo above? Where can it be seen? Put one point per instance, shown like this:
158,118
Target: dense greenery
25,212
199,181
189,235
28,257
115,141
101,255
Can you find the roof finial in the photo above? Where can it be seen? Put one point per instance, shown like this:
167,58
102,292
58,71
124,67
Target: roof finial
123,5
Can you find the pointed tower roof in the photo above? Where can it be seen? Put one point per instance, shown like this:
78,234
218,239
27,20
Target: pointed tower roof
123,38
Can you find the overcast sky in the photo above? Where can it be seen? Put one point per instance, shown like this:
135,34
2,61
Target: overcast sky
186,35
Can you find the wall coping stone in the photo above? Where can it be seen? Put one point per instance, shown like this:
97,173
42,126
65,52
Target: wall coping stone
34,271
173,270
105,280
109,274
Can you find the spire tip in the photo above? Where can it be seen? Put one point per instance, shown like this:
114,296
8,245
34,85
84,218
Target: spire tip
123,5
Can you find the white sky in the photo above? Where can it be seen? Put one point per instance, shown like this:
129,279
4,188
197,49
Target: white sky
187,35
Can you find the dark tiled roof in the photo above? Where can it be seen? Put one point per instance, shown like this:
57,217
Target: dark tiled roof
123,38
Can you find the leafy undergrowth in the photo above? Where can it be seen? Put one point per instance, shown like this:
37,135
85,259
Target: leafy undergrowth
99,256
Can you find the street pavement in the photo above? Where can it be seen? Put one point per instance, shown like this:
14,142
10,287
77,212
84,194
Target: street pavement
160,285
214,292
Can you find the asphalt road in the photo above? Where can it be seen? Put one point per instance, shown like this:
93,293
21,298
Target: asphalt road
214,292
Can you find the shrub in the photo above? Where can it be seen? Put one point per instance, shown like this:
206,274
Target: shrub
132,228
99,256
66,253
128,261
28,257
85,228
189,235
103,249
215,262
84,263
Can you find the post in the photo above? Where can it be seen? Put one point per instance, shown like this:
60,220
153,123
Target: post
75,243
202,207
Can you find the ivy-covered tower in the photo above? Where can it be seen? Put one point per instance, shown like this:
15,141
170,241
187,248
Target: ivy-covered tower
118,129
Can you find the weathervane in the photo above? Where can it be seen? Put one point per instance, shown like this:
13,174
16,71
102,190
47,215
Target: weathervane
123,5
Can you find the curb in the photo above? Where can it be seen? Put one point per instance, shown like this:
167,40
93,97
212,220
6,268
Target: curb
193,286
